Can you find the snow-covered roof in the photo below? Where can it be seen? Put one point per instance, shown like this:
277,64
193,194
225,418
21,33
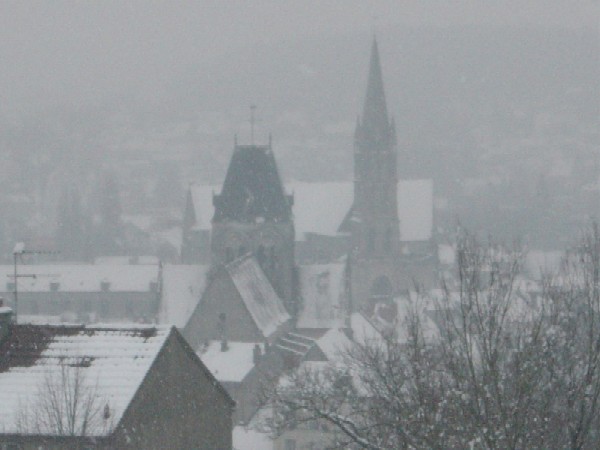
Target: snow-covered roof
254,436
202,202
320,207
263,303
333,343
110,363
81,278
182,288
322,288
231,365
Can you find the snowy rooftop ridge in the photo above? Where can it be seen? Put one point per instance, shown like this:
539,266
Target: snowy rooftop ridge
112,363
320,207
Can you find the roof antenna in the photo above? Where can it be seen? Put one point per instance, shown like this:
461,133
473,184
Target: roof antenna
252,121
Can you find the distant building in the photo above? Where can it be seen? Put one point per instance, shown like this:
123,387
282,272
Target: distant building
84,293
285,268
137,387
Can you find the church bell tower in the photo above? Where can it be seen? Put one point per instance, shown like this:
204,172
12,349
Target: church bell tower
373,222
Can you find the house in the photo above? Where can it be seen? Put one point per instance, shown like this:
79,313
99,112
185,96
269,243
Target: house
140,387
239,304
83,293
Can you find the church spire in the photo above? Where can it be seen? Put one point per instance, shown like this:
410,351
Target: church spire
375,116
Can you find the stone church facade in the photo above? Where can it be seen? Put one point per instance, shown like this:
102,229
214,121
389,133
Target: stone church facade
253,216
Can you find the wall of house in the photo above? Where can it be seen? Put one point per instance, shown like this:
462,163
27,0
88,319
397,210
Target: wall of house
221,297
249,394
86,307
178,406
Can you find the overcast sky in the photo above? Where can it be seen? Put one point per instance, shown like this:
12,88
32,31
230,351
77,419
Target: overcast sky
74,52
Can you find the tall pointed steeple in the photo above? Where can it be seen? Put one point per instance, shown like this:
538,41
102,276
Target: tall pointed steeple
375,126
373,221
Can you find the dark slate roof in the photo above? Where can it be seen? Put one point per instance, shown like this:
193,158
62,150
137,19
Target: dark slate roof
252,189
374,126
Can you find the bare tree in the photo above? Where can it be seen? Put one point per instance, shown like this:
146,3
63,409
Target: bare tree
66,404
573,344
504,371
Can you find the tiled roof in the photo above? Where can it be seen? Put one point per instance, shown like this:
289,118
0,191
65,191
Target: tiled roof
110,363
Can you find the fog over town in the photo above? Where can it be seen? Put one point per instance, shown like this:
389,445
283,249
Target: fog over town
300,225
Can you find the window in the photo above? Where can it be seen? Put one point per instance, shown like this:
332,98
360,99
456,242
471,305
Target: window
228,254
290,444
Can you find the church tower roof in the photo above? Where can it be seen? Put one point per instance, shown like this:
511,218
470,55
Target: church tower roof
375,125
252,190
375,108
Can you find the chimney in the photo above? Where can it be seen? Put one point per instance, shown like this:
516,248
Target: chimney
5,320
256,354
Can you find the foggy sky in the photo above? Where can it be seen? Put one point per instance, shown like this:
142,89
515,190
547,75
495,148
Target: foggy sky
68,54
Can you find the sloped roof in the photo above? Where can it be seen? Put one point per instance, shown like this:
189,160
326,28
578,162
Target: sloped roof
320,207
375,127
322,288
81,277
182,288
202,202
252,189
263,303
232,365
112,363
